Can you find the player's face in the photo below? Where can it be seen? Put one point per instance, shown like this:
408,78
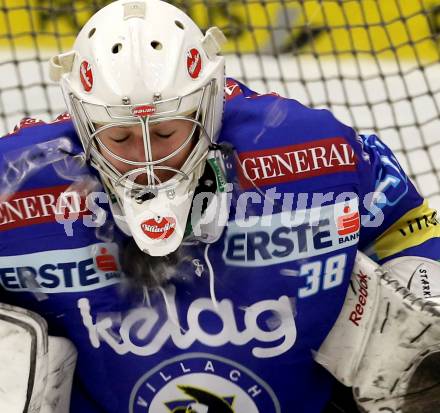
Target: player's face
165,137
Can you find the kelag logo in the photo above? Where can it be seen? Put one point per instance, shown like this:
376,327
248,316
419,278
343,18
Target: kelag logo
291,235
157,332
60,271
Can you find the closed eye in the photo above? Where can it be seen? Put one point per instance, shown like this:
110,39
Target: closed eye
164,135
120,140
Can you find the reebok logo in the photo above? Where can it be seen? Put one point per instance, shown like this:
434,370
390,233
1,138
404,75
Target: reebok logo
356,315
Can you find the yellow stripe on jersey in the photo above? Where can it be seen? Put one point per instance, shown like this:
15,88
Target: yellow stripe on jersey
414,228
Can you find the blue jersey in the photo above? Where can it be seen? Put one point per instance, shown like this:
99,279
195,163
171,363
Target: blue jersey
236,329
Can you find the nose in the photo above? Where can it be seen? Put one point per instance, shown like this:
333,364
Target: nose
137,151
158,150
137,154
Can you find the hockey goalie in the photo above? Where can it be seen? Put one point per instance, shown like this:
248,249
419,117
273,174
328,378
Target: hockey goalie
202,247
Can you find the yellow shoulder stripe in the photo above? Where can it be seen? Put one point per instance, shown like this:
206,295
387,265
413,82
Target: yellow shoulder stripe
414,228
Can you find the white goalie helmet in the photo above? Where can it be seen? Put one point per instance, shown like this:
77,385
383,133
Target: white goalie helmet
142,63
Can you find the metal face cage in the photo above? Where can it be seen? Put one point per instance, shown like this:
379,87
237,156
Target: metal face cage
196,107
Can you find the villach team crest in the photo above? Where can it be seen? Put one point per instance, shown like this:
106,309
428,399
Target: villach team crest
202,383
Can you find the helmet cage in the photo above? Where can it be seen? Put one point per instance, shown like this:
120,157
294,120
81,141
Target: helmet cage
196,107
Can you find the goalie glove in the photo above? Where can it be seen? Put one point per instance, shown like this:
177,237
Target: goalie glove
37,369
385,331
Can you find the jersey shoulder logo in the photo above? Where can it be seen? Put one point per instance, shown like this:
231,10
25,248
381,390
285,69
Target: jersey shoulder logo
232,89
